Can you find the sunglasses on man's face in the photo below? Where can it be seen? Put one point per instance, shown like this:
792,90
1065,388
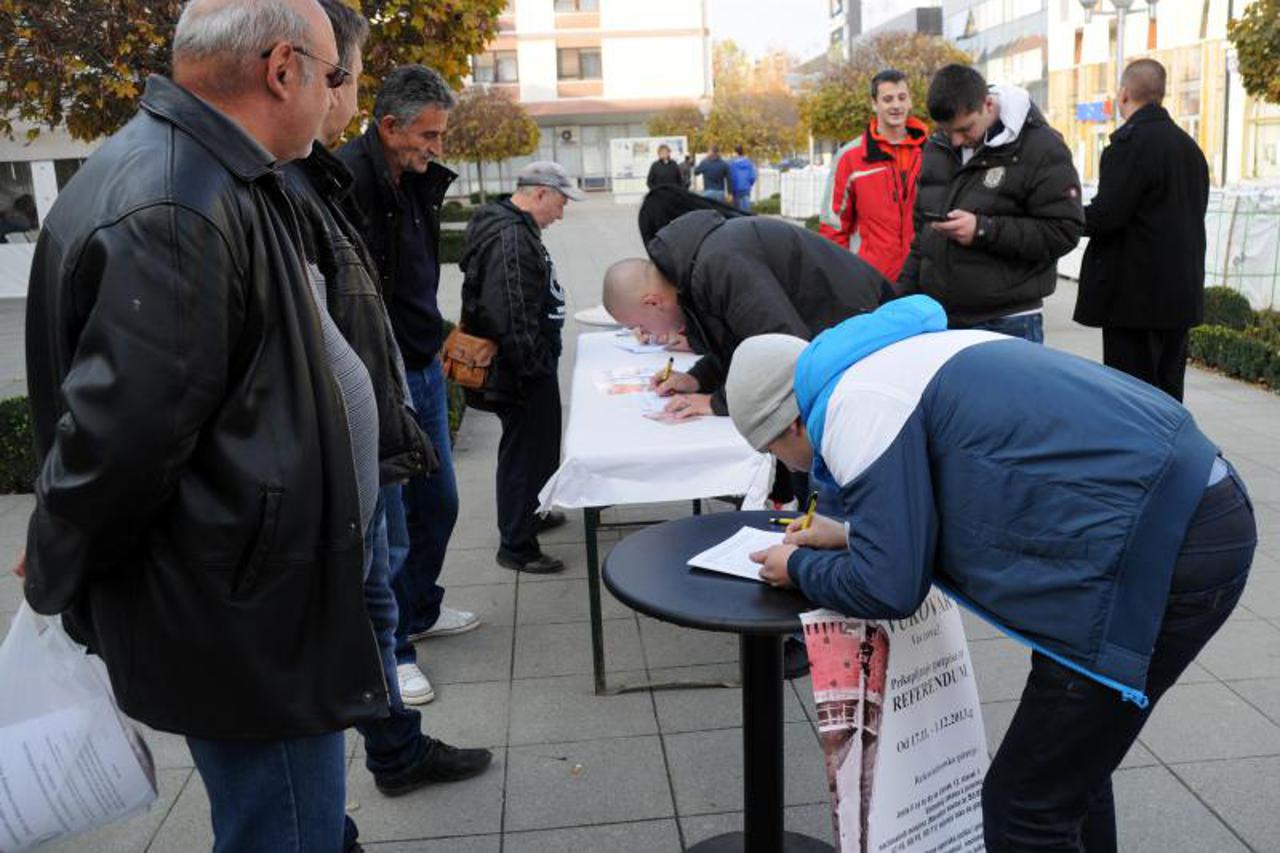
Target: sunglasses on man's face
334,79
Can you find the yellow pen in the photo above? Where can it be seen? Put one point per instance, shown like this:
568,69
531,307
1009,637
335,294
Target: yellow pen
666,373
808,516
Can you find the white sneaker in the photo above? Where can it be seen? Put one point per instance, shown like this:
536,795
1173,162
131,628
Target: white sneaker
414,687
450,622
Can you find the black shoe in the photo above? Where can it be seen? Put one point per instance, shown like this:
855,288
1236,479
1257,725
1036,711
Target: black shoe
551,521
440,763
795,659
543,564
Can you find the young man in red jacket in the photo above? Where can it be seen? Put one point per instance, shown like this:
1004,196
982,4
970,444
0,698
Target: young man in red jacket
872,187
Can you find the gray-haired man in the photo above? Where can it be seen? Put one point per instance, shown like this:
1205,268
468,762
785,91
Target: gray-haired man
197,519
511,295
396,198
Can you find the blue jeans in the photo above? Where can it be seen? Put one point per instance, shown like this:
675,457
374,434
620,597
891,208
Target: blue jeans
742,202
393,743
275,796
1027,326
421,518
717,195
1049,785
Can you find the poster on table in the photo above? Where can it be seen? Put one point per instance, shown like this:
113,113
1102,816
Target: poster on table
630,158
901,728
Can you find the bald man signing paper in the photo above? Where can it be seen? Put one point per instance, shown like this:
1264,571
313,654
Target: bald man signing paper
720,281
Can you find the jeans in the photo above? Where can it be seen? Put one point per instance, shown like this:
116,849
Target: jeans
420,520
716,195
743,202
1049,786
1027,326
394,743
275,796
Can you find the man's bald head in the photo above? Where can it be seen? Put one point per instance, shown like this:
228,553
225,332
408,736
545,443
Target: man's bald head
217,45
640,297
1144,80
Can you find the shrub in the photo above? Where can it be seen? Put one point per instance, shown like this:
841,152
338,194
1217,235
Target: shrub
451,246
772,204
1251,354
1226,307
17,448
454,211
813,222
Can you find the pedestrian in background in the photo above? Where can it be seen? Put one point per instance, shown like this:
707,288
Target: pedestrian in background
664,171
686,171
742,177
715,175
1142,278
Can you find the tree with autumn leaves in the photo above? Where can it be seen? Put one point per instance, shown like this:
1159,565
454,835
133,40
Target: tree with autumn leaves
83,65
1256,38
488,126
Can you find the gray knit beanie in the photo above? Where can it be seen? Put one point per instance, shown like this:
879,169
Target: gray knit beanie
760,389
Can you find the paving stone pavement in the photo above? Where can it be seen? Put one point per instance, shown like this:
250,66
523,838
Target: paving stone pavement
656,772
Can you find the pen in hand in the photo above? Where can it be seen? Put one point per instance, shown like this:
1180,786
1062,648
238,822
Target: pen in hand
666,372
808,516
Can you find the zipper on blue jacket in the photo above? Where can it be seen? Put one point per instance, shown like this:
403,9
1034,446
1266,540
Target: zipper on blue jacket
1127,693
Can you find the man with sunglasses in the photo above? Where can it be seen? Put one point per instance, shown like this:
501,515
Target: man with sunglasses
198,517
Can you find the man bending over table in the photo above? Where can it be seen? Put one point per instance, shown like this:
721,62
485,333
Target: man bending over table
1076,508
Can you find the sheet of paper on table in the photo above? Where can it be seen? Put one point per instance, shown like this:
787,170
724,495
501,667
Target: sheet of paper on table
624,380
733,555
628,342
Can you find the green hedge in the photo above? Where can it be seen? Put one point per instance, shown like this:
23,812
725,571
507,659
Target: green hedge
451,246
812,223
772,204
17,448
1226,307
1252,354
455,211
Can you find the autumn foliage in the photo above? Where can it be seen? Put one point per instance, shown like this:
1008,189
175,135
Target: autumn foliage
488,126
1256,38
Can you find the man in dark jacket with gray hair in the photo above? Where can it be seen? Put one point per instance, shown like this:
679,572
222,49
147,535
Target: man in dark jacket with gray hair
1142,279
997,203
511,295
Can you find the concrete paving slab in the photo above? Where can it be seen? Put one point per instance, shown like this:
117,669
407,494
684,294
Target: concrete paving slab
134,834
1261,693
1198,722
713,708
565,708
480,655
654,836
555,601
670,645
565,649
186,827
1242,793
467,713
1157,814
1001,666
706,769
812,820
1243,649
457,844
589,782
494,604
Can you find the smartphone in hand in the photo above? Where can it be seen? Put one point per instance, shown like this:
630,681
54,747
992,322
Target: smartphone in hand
930,216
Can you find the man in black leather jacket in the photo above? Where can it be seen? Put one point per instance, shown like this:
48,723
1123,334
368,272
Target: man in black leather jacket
197,521
397,753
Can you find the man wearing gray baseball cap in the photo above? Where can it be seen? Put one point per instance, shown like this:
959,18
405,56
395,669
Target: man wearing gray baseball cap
511,296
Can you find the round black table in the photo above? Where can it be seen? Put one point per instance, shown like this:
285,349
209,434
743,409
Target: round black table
648,572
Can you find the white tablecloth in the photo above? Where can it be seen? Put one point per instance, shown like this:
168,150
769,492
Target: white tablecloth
613,455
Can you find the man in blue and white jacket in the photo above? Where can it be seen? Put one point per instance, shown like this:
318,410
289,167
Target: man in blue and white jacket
1076,508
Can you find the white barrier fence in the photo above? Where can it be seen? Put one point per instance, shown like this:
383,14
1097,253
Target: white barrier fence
802,191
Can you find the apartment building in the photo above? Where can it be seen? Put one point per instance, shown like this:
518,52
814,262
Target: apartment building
589,71
1008,40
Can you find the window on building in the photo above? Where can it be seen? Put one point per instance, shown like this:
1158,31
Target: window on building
63,170
577,5
18,215
497,66
578,63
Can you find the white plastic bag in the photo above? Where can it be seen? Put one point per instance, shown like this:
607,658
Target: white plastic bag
69,760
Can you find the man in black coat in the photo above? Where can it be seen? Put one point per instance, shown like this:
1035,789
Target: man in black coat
511,295
997,203
664,171
721,281
1142,279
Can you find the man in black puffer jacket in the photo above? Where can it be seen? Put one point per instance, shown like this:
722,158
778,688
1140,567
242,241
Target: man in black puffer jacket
997,203
510,295
721,281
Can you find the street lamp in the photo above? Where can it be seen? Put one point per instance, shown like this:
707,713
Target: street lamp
1120,9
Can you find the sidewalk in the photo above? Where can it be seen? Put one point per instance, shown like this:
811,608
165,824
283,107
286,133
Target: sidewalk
656,772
